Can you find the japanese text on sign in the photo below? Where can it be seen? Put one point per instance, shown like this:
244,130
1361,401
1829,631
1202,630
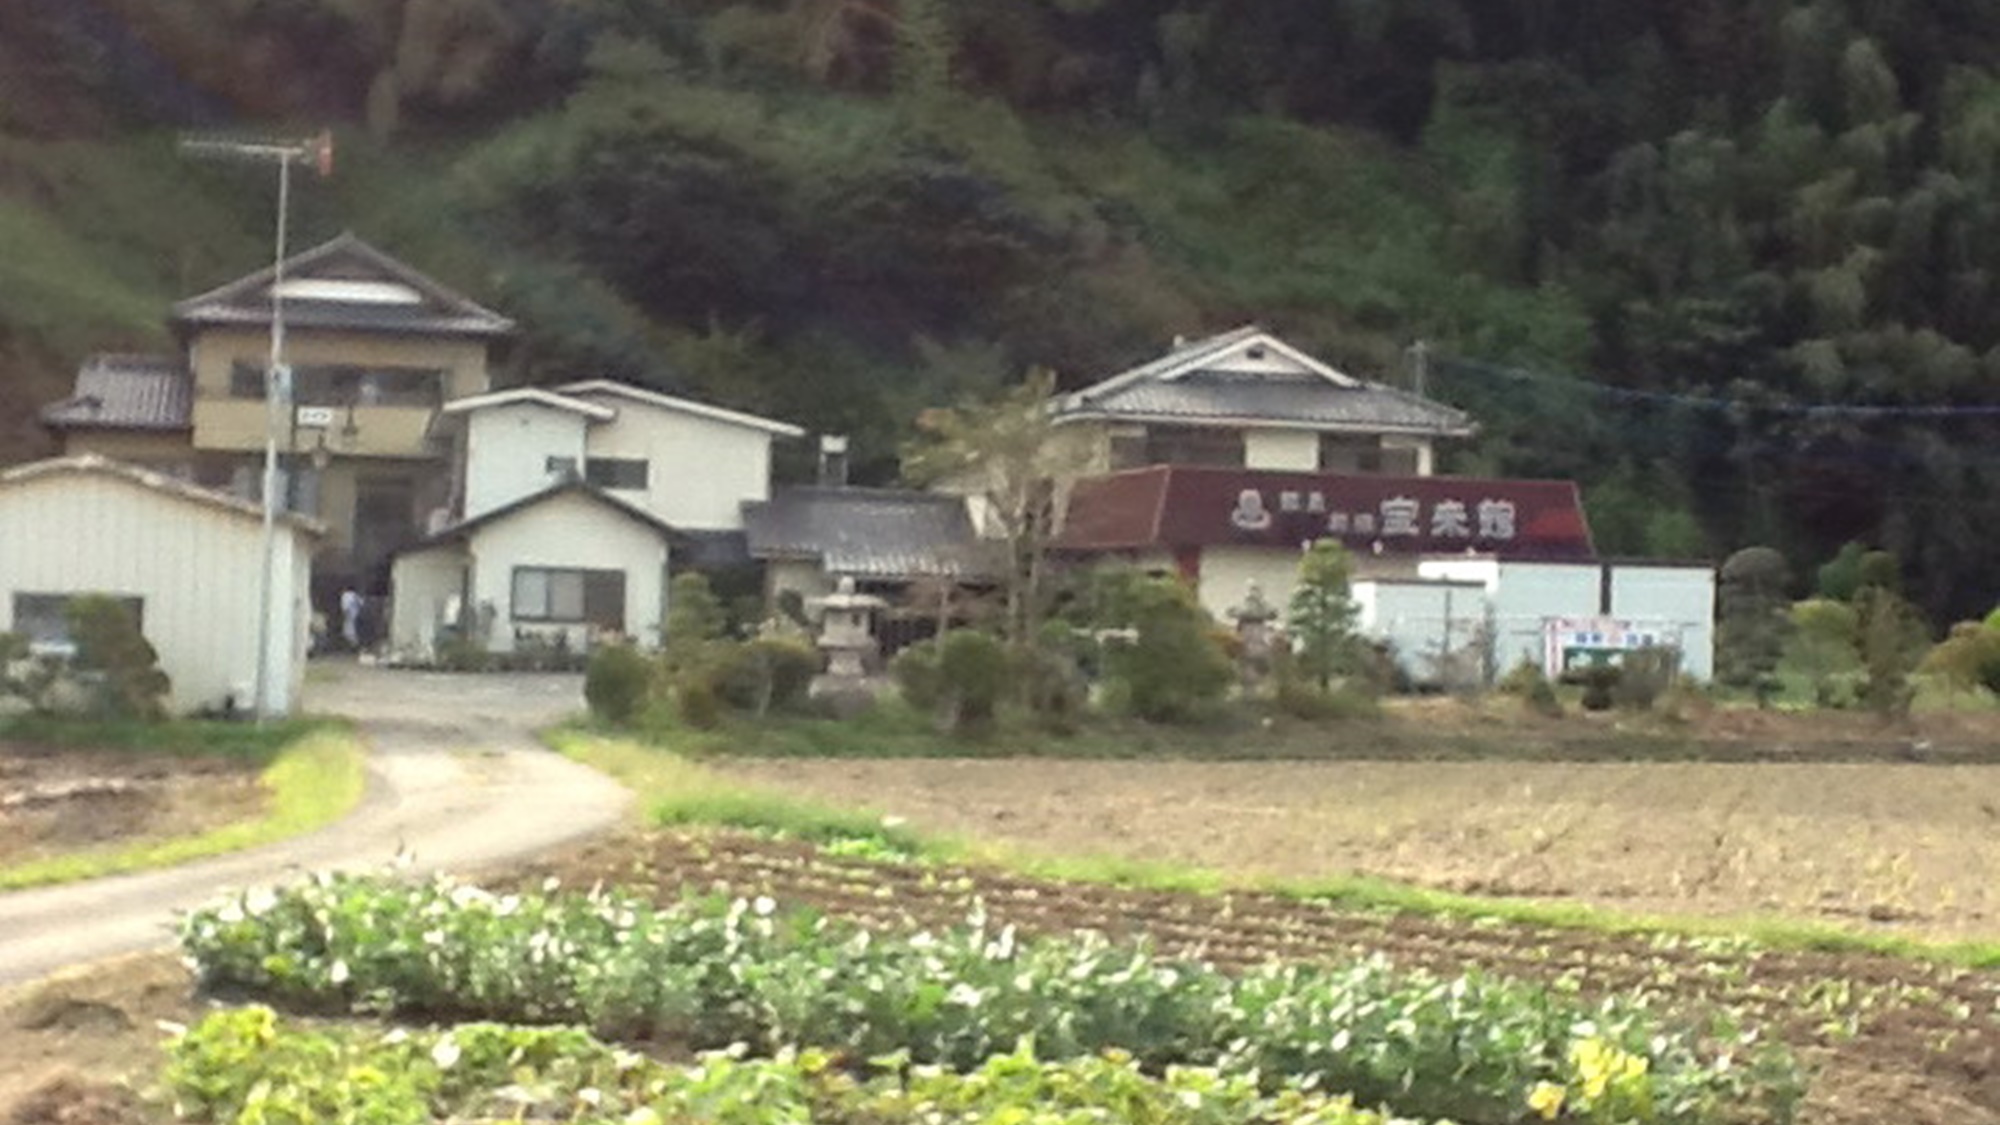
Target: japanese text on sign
1394,516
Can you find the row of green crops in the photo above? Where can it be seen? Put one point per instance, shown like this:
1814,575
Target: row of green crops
710,973
246,1065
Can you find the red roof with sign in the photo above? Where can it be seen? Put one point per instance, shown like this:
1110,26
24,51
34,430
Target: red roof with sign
1197,506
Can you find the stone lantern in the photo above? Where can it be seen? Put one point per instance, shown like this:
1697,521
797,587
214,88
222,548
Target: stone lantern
1255,627
847,633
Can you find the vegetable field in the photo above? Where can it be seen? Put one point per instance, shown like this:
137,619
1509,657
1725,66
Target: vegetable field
1874,1031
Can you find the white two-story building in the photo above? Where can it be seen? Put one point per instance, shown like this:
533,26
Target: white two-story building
567,506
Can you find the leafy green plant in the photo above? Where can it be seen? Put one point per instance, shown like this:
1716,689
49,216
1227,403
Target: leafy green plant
249,1065
711,973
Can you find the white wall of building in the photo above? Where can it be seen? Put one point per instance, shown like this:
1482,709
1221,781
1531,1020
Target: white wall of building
508,450
424,584
699,470
1676,599
1226,574
1286,450
570,531
1679,597
195,564
1421,619
1525,594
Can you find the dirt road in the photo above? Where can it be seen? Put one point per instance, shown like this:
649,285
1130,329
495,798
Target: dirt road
456,781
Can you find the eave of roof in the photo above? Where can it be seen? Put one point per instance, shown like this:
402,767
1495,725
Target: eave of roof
92,464
465,528
537,396
230,303
1272,423
685,406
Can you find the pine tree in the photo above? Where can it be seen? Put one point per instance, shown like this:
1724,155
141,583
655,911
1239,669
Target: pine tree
1322,613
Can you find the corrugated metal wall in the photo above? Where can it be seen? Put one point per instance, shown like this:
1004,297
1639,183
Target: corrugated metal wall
196,567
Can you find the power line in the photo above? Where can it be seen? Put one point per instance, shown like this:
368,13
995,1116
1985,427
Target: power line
1456,364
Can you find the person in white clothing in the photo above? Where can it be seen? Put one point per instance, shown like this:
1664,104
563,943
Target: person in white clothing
350,618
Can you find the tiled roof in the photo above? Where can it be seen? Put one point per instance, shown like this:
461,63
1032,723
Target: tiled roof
125,392
1198,382
438,310
1295,399
866,532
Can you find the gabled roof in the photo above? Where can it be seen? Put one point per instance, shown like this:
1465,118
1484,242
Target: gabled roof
463,529
686,406
1249,376
866,532
92,464
1172,506
345,284
537,396
125,392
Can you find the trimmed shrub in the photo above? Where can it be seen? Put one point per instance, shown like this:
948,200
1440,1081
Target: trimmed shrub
972,670
766,674
697,703
916,673
614,683
128,681
1174,670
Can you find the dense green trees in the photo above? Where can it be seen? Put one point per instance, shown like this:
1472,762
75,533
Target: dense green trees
1727,262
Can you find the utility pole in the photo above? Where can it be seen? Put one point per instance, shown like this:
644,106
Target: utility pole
277,377
1420,367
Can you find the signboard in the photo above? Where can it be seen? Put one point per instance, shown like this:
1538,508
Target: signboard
1447,521
1183,506
1573,642
311,417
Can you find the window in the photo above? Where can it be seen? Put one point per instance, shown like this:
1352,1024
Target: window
616,472
595,597
335,384
1167,445
562,468
246,380
1352,453
44,620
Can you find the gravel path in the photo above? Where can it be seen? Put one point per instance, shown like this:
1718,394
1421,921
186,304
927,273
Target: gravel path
456,781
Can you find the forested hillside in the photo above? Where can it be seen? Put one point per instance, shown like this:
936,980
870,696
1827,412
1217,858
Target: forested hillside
1729,262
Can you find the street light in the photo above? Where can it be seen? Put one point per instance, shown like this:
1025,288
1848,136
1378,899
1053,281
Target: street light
277,377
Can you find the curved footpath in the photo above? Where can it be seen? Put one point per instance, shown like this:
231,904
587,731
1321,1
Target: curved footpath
456,781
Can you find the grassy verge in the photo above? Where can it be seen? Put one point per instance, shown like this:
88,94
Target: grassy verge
1258,732
313,781
677,792
181,738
